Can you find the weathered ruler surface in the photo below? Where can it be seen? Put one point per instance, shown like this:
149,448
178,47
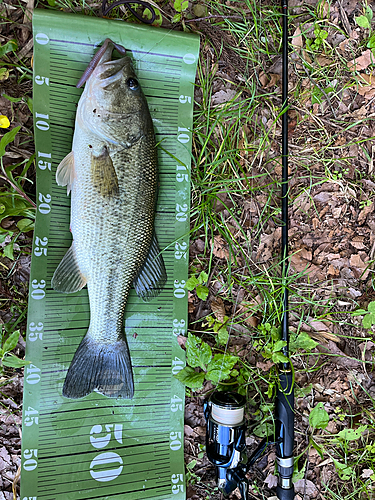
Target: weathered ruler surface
97,447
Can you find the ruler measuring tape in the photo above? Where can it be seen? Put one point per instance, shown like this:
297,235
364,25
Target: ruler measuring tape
98,447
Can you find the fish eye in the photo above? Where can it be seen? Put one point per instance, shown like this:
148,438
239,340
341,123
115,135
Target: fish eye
132,83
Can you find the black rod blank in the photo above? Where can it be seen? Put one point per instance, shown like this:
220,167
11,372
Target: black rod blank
284,404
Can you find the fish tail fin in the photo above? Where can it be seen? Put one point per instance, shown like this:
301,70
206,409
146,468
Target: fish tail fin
105,367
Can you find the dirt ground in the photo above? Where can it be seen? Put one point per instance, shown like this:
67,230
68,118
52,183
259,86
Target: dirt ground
332,241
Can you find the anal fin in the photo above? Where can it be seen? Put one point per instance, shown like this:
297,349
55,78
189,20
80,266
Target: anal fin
152,276
68,278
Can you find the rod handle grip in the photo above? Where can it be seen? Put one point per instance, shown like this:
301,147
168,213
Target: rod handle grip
284,409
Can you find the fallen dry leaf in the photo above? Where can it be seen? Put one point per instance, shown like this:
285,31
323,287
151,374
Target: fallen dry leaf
299,264
265,366
319,326
252,321
367,473
223,96
362,62
339,357
323,60
218,309
220,249
305,486
297,40
364,213
191,306
181,341
357,263
265,248
268,80
357,242
271,481
366,86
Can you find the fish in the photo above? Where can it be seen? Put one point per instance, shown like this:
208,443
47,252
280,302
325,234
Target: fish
112,176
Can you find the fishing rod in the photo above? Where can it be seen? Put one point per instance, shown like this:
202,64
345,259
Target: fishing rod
225,412
284,404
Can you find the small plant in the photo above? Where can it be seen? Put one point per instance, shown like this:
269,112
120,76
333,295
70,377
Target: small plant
364,203
273,349
220,328
180,6
320,35
364,21
14,202
198,284
7,359
214,367
368,316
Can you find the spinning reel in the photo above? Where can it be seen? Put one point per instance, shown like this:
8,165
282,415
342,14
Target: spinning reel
226,446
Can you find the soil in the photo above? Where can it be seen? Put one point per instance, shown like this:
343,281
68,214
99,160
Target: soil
332,236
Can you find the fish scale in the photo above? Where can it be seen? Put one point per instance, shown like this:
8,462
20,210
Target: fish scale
113,254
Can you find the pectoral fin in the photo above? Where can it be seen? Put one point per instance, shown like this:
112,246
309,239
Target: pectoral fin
67,277
103,174
65,172
152,276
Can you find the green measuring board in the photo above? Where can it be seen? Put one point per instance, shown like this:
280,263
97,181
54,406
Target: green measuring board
98,447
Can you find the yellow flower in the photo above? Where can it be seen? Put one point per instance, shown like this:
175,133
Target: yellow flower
4,122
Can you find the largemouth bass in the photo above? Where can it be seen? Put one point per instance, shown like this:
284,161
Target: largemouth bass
112,175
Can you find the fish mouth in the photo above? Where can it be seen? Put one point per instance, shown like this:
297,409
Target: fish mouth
110,72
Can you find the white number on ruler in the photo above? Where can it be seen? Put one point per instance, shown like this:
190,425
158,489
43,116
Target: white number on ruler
176,404
180,250
182,137
40,250
107,457
181,214
179,291
184,99
32,374
189,58
102,441
41,38
178,327
177,478
181,177
38,292
44,164
30,463
39,80
42,124
103,459
29,498
45,203
175,441
31,417
177,365
36,331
